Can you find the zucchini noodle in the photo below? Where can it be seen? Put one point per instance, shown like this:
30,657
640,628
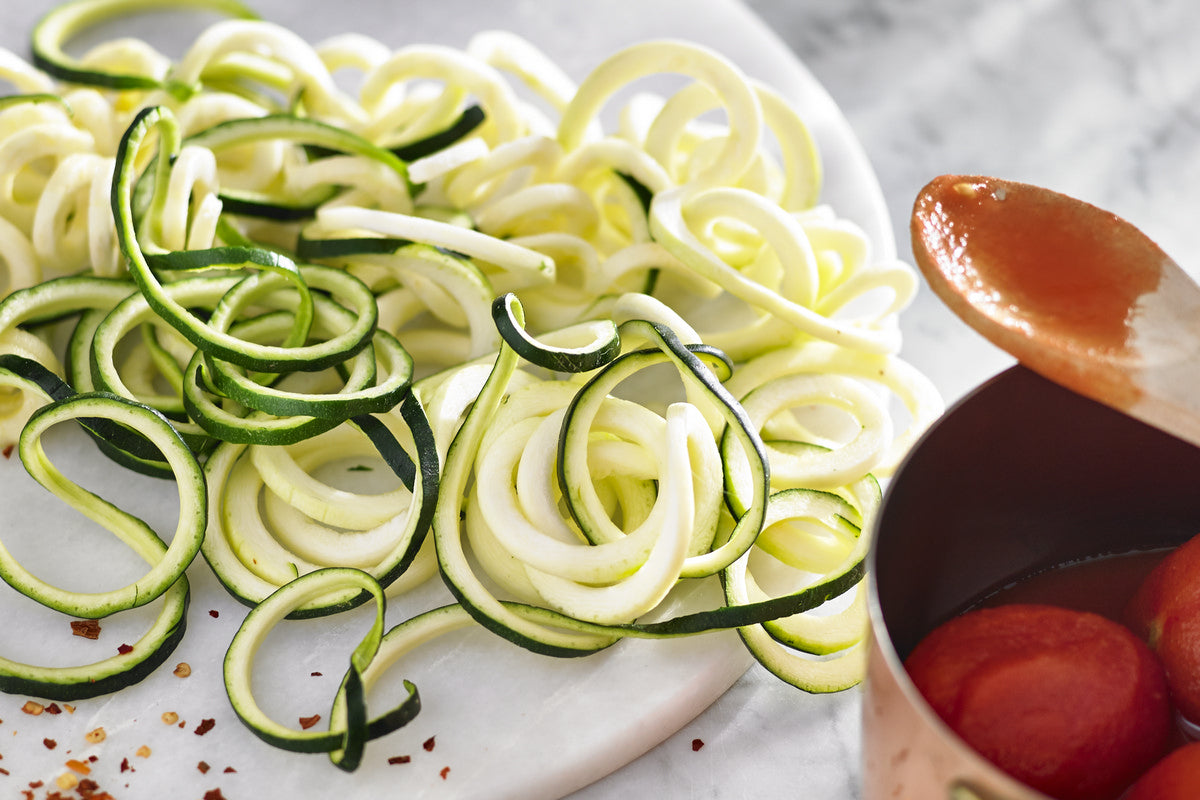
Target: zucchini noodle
442,316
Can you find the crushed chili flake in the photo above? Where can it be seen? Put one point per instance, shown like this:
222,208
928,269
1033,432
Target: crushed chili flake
143,751
183,669
93,759
205,726
26,794
67,781
125,765
315,674
78,766
229,770
87,628
170,717
214,794
214,613
33,708
35,784
53,708
445,772
3,771
203,767
697,744
399,759
429,743
50,744
308,722
124,649
8,451
96,735
88,788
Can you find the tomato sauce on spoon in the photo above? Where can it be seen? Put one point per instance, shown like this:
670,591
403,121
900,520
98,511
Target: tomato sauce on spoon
1072,291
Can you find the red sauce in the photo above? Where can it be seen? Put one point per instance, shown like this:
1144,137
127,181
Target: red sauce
1036,260
1103,585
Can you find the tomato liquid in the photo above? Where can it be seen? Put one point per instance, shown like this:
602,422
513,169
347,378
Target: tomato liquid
1102,585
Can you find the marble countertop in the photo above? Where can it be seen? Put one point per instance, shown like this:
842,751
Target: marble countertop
1097,99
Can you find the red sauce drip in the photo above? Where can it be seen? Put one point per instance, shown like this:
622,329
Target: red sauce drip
1033,262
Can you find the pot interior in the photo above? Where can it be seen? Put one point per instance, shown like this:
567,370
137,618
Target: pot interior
1020,476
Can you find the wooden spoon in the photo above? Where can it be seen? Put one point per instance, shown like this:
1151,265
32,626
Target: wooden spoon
1075,293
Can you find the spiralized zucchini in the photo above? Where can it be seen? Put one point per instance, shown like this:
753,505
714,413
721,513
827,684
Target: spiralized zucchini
584,360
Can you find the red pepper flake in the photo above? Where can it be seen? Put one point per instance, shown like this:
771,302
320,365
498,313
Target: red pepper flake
32,708
8,451
429,743
315,674
53,708
214,794
308,722
697,744
399,759
78,766
229,770
214,613
35,784
203,767
26,794
88,788
445,772
124,649
50,744
125,765
205,726
93,759
87,628
3,771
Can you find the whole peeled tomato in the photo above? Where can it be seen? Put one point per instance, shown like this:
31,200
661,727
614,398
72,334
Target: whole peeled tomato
1176,777
1068,702
1165,611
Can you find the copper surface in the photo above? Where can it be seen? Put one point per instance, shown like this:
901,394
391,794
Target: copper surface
1020,476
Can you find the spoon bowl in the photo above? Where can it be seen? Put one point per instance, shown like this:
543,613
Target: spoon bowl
1073,292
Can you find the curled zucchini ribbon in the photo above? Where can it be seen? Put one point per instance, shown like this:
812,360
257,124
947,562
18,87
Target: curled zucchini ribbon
256,259
306,526
121,424
231,362
635,502
350,728
56,29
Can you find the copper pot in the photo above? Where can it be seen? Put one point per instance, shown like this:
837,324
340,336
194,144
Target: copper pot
1019,476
